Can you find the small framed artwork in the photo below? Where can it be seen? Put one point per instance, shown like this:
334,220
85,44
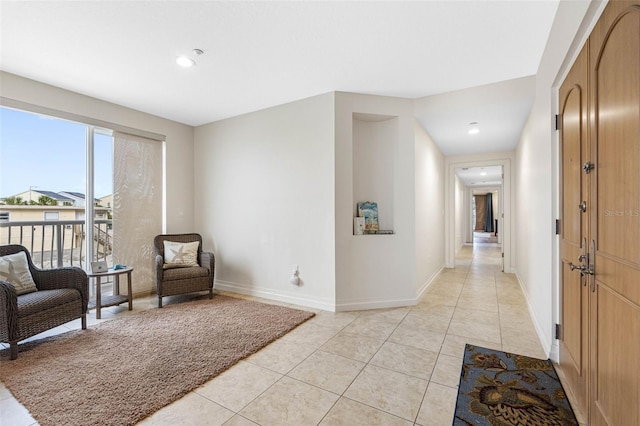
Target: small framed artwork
369,211
98,267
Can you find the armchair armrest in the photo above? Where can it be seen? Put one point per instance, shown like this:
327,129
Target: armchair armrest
159,268
8,303
59,278
207,260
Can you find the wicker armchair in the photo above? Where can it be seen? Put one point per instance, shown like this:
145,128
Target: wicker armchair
62,296
183,280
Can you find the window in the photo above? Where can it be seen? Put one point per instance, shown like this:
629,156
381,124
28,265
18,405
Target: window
51,215
5,217
121,166
73,158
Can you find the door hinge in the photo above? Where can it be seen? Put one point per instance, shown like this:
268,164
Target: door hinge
502,254
557,226
558,331
557,121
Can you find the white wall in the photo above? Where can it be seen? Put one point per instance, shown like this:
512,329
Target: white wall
429,202
276,189
460,216
265,185
536,192
374,270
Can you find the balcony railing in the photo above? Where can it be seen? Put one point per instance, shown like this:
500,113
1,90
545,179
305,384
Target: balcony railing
59,243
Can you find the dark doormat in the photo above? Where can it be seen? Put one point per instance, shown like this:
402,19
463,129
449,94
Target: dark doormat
499,388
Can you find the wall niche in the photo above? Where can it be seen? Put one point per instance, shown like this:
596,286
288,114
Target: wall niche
375,142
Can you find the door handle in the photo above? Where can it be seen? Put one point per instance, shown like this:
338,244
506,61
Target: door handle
581,268
583,206
585,267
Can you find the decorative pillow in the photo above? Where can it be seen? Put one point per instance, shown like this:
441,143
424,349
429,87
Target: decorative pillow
15,270
180,255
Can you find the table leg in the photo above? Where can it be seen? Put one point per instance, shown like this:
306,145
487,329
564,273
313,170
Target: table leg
98,296
116,285
129,295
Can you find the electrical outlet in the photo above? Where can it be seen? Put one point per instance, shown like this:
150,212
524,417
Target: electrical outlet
295,277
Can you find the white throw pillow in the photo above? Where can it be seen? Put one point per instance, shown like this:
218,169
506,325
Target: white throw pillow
15,270
180,255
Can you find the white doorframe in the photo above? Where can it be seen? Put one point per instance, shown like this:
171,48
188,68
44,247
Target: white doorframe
482,161
484,190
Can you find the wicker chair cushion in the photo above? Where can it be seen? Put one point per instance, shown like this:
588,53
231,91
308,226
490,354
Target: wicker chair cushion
185,273
15,270
32,303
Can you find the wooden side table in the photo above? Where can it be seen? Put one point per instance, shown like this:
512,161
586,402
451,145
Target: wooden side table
116,298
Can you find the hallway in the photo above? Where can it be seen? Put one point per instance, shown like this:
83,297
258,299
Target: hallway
390,366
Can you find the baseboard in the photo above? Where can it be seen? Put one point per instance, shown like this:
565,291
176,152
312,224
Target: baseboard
546,346
423,288
554,354
378,304
325,305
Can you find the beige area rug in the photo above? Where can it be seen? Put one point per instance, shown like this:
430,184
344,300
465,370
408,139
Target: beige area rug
123,370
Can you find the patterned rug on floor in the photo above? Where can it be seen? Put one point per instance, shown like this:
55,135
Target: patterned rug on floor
503,389
120,371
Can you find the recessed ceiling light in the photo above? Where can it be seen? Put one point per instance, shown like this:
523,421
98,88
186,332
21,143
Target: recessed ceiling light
473,128
483,174
185,62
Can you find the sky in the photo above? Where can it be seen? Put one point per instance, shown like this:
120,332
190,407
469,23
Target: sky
48,154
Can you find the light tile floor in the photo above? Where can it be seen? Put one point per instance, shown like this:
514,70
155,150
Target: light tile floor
380,367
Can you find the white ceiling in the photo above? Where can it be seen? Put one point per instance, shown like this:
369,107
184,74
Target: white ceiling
489,176
261,54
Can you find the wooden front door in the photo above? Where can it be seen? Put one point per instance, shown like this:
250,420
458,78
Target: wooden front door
574,237
600,307
615,216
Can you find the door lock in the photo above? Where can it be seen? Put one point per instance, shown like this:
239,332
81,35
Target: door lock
585,267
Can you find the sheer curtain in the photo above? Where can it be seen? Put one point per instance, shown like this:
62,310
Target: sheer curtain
137,205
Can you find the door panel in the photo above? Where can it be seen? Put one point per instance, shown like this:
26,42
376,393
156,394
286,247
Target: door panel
617,106
615,222
573,237
616,392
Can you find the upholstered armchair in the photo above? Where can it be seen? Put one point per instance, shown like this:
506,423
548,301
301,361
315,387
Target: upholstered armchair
60,295
182,266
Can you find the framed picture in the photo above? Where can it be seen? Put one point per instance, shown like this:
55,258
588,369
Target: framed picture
369,211
98,267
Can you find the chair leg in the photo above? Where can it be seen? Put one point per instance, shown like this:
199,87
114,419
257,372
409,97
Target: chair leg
84,321
159,301
13,350
210,293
